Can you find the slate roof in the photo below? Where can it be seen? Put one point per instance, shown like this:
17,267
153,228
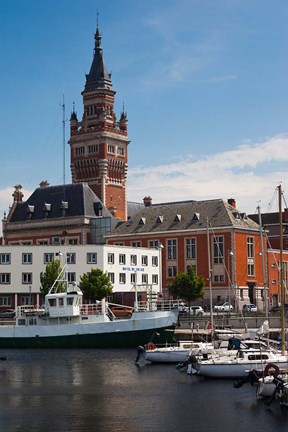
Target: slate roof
134,208
185,215
270,222
47,203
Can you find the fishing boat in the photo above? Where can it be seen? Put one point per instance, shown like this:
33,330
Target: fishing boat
65,322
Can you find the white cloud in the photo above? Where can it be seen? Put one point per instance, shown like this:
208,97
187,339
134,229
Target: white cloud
235,173
249,173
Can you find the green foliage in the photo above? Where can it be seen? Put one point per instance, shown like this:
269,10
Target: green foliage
95,285
187,286
47,278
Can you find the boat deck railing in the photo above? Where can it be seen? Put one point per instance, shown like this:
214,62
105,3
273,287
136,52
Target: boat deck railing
91,309
30,310
155,305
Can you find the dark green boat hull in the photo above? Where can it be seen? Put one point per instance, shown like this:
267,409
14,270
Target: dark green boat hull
129,339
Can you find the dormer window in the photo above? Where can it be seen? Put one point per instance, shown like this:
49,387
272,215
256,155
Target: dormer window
236,215
160,219
196,217
47,207
64,205
142,221
177,218
30,211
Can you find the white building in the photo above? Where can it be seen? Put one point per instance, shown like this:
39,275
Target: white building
129,268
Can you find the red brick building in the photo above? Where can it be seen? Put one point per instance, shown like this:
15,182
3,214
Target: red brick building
183,229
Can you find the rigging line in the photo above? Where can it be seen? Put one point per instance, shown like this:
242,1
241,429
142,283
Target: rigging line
277,263
64,163
285,202
270,204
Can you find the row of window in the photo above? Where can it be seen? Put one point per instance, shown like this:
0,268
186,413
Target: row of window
173,270
218,253
27,278
80,151
5,278
134,278
45,242
91,258
190,248
133,259
27,258
23,299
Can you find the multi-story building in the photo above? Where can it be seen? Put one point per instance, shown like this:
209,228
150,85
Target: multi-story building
221,243
55,215
132,271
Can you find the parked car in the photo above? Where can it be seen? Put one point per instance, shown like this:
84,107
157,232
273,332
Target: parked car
223,307
181,306
197,311
250,307
7,313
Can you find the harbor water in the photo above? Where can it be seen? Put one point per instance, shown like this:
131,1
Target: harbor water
104,390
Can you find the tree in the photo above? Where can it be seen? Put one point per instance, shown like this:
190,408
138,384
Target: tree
95,285
47,278
188,286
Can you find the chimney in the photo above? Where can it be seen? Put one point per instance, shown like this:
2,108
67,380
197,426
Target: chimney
147,201
232,202
17,194
44,184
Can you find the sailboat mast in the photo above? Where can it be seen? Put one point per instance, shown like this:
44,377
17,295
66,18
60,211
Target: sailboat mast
63,138
210,279
263,266
282,292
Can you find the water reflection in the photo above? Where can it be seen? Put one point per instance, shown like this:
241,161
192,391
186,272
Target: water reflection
103,390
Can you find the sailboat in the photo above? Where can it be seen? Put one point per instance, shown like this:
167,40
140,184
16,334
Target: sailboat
255,356
272,384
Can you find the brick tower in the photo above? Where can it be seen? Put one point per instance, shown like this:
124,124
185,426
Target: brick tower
99,143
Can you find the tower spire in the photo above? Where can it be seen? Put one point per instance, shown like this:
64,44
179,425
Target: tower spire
98,76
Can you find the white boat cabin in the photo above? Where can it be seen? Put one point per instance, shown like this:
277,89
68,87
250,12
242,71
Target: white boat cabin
64,304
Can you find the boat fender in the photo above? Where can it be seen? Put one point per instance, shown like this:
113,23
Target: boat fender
271,369
151,346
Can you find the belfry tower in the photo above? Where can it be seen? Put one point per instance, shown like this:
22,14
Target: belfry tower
99,143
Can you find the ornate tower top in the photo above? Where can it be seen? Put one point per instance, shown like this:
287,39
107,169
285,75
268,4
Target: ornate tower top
98,76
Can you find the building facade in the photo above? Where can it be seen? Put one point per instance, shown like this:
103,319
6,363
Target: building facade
132,271
57,215
222,244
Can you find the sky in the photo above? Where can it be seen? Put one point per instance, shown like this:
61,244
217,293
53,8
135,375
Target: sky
203,82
